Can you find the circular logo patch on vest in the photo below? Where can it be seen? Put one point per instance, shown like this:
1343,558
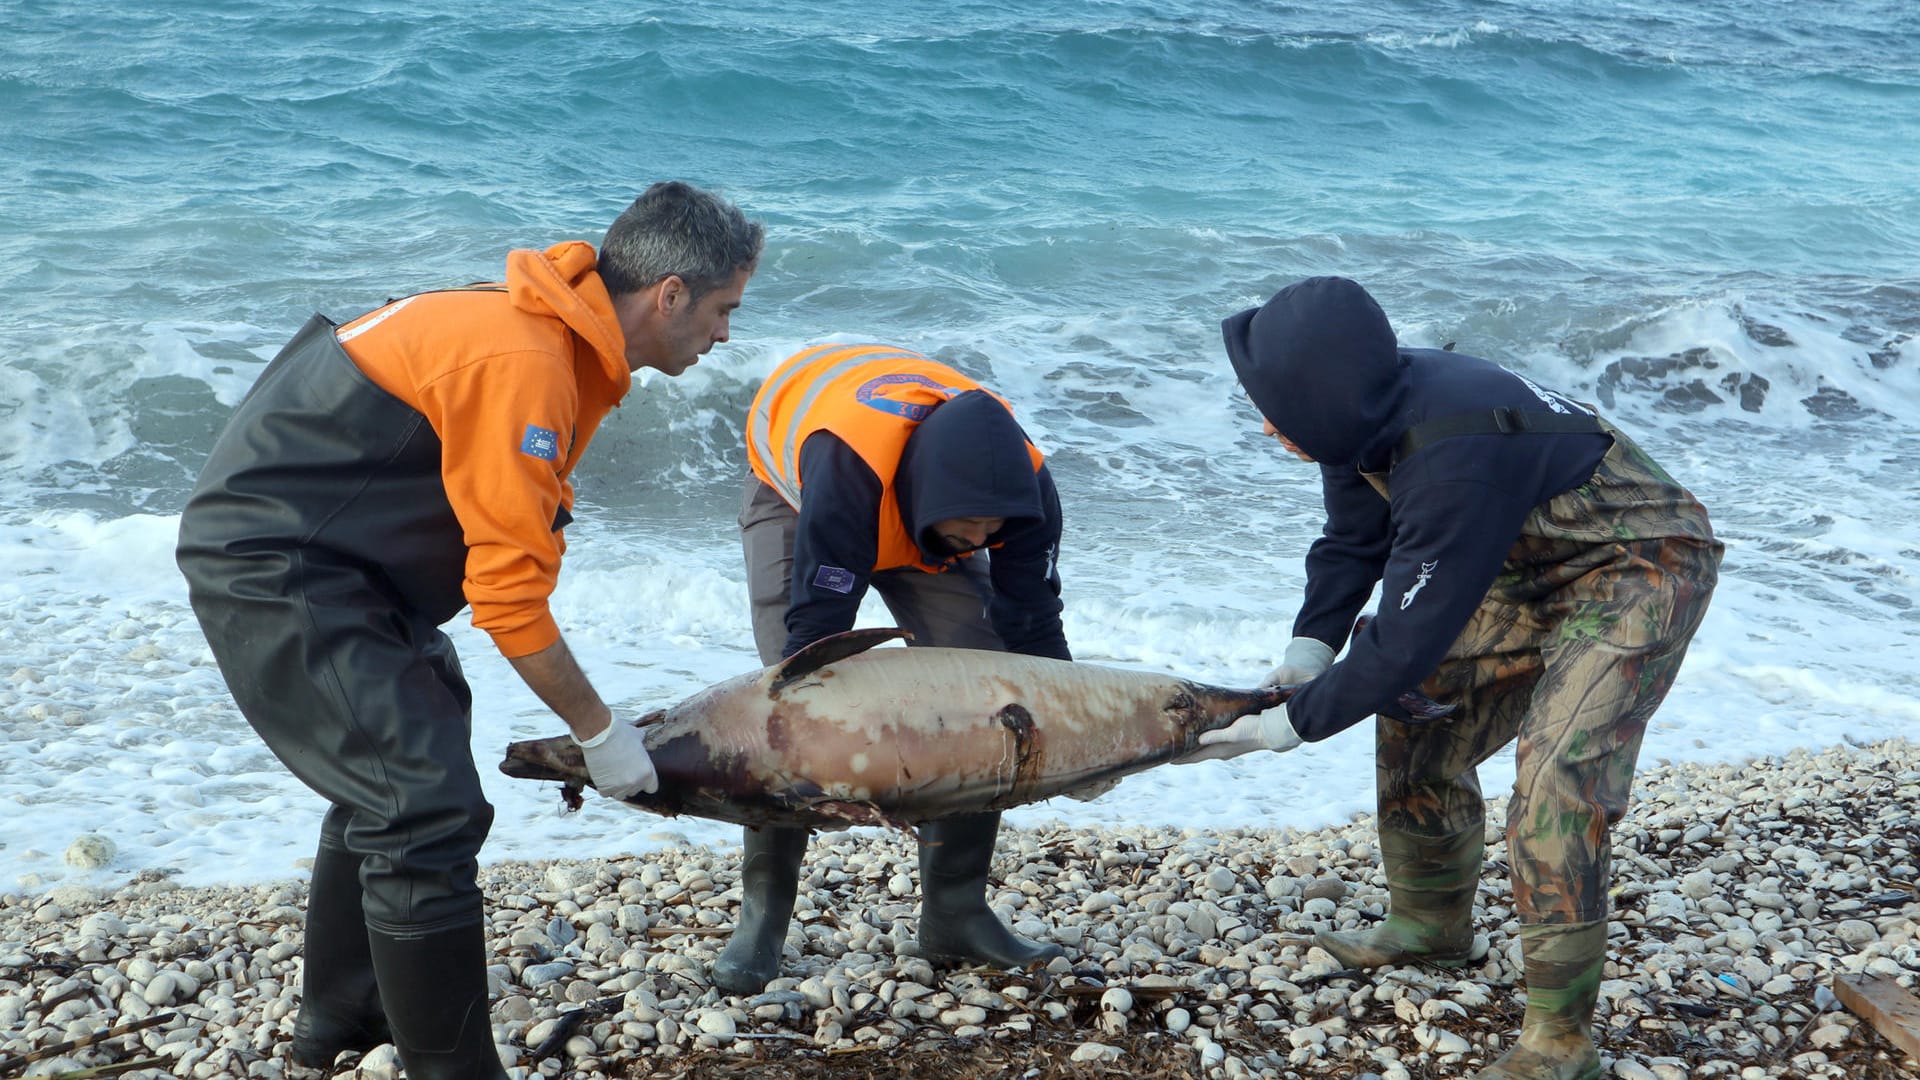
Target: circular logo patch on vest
869,395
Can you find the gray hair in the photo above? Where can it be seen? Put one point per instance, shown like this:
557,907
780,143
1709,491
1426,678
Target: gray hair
677,230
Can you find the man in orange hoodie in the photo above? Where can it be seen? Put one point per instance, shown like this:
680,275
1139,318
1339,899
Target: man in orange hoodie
379,477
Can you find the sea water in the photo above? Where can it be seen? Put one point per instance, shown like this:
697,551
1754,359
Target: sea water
1705,219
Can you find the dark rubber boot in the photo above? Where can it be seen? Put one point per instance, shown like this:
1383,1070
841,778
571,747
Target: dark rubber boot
434,986
1564,964
339,998
1432,881
956,925
769,878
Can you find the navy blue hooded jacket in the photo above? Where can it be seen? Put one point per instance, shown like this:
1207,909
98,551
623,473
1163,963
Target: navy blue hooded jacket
1321,363
968,458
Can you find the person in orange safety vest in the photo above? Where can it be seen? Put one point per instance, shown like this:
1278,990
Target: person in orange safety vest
876,467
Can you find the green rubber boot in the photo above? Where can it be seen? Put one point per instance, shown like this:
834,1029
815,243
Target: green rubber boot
769,880
434,987
1564,964
339,997
1432,881
956,925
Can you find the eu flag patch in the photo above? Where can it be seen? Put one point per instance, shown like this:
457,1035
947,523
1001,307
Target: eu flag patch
541,443
834,579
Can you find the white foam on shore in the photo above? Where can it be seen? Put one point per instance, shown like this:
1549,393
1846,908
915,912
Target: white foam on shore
117,722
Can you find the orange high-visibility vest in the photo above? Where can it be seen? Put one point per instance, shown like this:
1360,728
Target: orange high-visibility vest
871,397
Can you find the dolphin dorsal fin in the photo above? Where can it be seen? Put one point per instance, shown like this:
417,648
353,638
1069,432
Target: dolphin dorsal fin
830,649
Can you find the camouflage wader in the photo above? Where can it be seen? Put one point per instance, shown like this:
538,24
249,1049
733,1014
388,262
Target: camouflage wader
1574,647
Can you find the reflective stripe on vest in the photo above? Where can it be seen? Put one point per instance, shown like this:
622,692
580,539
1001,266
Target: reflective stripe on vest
814,369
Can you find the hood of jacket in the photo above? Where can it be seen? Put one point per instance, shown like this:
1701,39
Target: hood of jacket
968,458
561,282
1321,362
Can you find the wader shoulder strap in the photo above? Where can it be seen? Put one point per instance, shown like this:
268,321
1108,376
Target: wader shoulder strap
478,286
1504,420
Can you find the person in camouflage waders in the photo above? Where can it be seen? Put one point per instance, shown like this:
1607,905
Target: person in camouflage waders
1539,574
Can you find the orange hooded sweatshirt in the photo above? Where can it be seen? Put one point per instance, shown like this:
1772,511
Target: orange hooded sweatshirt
514,380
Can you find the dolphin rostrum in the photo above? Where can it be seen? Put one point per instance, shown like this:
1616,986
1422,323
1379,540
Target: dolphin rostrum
843,733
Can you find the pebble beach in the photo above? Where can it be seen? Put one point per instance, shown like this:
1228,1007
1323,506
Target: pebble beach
1740,893
1697,217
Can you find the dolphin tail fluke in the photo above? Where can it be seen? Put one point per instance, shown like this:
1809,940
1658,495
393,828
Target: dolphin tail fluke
1229,705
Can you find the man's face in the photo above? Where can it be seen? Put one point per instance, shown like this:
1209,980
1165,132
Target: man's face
966,533
683,330
1267,428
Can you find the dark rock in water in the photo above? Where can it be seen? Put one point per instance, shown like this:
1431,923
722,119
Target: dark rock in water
1678,379
1765,333
1833,403
1652,367
1653,374
1690,398
1751,389
1109,409
1886,355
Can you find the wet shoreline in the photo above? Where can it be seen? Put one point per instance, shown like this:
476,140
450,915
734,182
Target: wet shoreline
1740,892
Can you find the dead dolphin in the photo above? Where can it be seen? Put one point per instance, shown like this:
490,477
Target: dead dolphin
842,733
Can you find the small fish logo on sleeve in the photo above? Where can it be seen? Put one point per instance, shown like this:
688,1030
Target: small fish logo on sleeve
1426,575
541,443
1553,399
834,579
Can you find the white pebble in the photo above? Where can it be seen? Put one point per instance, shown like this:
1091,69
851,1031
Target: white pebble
1828,1037
963,1016
717,1022
564,878
1093,1051
103,924
1856,932
90,852
170,987
1440,1040
1697,885
380,1063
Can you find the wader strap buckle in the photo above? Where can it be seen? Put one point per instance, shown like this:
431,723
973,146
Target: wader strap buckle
1504,420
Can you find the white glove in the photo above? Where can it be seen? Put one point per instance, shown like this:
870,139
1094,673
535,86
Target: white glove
1270,730
618,762
1305,658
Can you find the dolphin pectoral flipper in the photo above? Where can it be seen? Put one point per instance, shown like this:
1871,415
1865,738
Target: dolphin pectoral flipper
828,650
